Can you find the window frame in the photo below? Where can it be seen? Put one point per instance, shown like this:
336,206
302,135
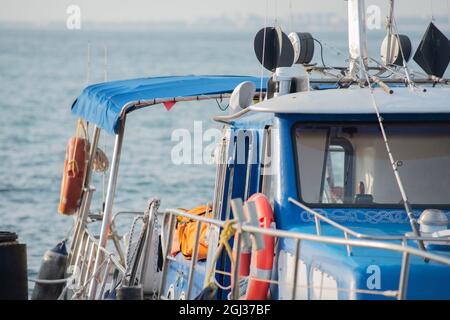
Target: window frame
348,164
266,179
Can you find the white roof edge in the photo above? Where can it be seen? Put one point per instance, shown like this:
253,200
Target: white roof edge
359,101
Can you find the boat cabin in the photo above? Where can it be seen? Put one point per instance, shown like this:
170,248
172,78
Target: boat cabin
324,149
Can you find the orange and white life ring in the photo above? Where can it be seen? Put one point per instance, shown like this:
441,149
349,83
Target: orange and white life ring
263,259
73,176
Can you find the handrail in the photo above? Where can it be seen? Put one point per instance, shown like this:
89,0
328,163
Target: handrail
108,254
370,243
184,214
103,273
114,217
83,269
362,235
405,250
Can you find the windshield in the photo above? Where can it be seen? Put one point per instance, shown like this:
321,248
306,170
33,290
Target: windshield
349,165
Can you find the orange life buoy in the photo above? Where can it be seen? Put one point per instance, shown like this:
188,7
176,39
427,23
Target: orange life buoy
73,176
263,259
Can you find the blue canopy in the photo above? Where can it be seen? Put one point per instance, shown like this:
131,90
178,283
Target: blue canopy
102,103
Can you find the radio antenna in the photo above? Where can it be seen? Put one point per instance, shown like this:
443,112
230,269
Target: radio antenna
105,63
88,63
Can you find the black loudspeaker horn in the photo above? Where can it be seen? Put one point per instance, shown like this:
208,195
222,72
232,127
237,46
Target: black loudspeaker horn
273,48
433,54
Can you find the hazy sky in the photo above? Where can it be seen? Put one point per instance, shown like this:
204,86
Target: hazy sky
45,11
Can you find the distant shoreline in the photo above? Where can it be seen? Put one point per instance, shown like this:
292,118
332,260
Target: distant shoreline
312,23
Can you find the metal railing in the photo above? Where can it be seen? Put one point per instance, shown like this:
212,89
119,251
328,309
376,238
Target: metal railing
113,269
245,230
108,274
318,217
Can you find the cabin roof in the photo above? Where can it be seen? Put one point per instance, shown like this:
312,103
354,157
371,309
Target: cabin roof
359,101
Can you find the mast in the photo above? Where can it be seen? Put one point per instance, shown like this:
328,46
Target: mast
357,37
389,29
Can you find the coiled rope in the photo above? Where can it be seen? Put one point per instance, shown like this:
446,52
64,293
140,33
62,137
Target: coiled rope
227,232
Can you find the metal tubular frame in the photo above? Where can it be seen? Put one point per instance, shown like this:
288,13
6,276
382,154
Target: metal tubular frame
297,258
242,228
84,272
193,260
236,267
347,231
83,212
107,213
167,251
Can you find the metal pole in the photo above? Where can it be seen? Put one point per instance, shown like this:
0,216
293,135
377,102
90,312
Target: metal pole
297,258
107,213
395,165
236,281
389,31
172,221
104,279
357,37
404,273
193,260
349,248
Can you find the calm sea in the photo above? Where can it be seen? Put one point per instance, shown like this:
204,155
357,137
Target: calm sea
42,72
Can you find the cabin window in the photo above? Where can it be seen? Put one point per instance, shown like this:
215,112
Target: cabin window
347,165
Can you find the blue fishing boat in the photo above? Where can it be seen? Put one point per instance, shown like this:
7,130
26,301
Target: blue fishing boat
331,182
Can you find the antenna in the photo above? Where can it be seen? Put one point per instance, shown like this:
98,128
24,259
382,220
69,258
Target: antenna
448,12
431,11
88,63
105,63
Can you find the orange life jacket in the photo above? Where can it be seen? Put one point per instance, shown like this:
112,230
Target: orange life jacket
184,235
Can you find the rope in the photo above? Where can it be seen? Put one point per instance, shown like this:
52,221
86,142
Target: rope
101,162
448,12
132,253
227,232
72,162
220,107
321,51
432,11
263,54
405,63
